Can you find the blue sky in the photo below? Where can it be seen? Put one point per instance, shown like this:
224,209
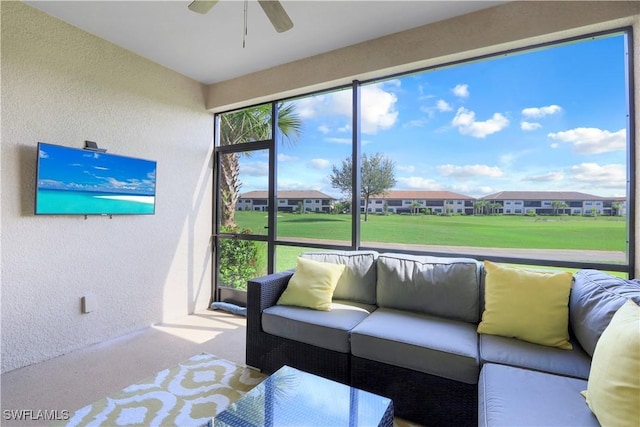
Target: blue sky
552,119
64,168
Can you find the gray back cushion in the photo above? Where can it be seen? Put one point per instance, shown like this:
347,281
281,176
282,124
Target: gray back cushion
358,281
446,287
594,299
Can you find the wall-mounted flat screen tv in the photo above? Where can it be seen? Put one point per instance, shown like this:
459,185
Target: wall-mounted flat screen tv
72,181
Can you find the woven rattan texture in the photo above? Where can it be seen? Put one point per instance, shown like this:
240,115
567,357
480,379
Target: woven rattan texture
269,352
418,397
426,399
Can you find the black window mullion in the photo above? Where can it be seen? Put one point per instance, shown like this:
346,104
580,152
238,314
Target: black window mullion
355,164
631,156
273,188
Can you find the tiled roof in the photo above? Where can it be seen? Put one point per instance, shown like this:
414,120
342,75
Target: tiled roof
542,195
287,194
422,195
440,195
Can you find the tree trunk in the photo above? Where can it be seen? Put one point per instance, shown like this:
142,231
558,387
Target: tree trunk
230,188
366,208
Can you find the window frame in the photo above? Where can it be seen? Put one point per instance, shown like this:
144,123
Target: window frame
516,207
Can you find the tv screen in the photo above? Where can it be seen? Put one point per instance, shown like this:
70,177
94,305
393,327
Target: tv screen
72,181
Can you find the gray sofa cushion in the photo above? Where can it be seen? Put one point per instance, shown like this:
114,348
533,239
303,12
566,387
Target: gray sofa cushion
509,396
429,344
514,352
325,329
358,282
594,299
446,287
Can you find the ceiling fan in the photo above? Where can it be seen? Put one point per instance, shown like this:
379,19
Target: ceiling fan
272,8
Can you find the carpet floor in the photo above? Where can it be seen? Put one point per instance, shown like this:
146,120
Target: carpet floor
189,394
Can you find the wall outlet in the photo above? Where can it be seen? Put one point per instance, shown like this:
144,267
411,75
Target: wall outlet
89,303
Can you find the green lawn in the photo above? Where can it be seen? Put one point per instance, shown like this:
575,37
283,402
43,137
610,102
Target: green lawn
523,232
561,232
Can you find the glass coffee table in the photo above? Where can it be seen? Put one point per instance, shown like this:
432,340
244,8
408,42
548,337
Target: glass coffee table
291,397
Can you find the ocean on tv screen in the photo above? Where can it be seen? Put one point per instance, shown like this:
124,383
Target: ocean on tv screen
75,181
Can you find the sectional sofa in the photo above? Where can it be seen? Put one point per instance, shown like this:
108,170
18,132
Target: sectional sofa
431,334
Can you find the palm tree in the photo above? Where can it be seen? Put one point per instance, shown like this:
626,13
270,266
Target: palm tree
251,124
480,205
448,207
617,206
495,207
415,205
558,204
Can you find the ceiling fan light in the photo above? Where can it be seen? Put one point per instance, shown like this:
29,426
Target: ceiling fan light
202,6
277,15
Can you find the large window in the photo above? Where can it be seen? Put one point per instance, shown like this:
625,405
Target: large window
522,157
318,215
545,127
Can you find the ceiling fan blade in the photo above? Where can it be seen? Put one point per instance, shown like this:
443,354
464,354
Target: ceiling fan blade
277,15
202,6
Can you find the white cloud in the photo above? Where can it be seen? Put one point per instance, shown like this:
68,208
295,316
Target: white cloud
529,125
461,91
324,129
469,171
339,140
310,106
466,123
418,182
297,185
320,163
547,177
285,158
484,190
115,183
407,169
507,159
345,128
422,96
255,168
378,109
378,106
443,106
610,176
471,189
592,140
417,123
537,112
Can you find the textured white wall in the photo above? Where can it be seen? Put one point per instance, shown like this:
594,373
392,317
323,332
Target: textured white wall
63,86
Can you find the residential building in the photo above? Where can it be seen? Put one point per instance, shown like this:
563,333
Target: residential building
555,202
288,201
408,201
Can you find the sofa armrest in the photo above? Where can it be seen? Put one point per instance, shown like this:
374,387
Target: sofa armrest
262,293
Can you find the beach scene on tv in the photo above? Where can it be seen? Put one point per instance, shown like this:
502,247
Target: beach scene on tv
74,181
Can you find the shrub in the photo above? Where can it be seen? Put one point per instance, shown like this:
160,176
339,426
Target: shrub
238,260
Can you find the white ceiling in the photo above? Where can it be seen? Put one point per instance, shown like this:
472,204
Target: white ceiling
208,48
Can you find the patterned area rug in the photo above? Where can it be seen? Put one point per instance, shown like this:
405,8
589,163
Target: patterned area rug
189,394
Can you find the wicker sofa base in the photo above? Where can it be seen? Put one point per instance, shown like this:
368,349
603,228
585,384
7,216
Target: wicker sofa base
279,351
422,398
418,397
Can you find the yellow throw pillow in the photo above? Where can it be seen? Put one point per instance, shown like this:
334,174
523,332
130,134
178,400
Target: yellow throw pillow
529,305
312,284
613,389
